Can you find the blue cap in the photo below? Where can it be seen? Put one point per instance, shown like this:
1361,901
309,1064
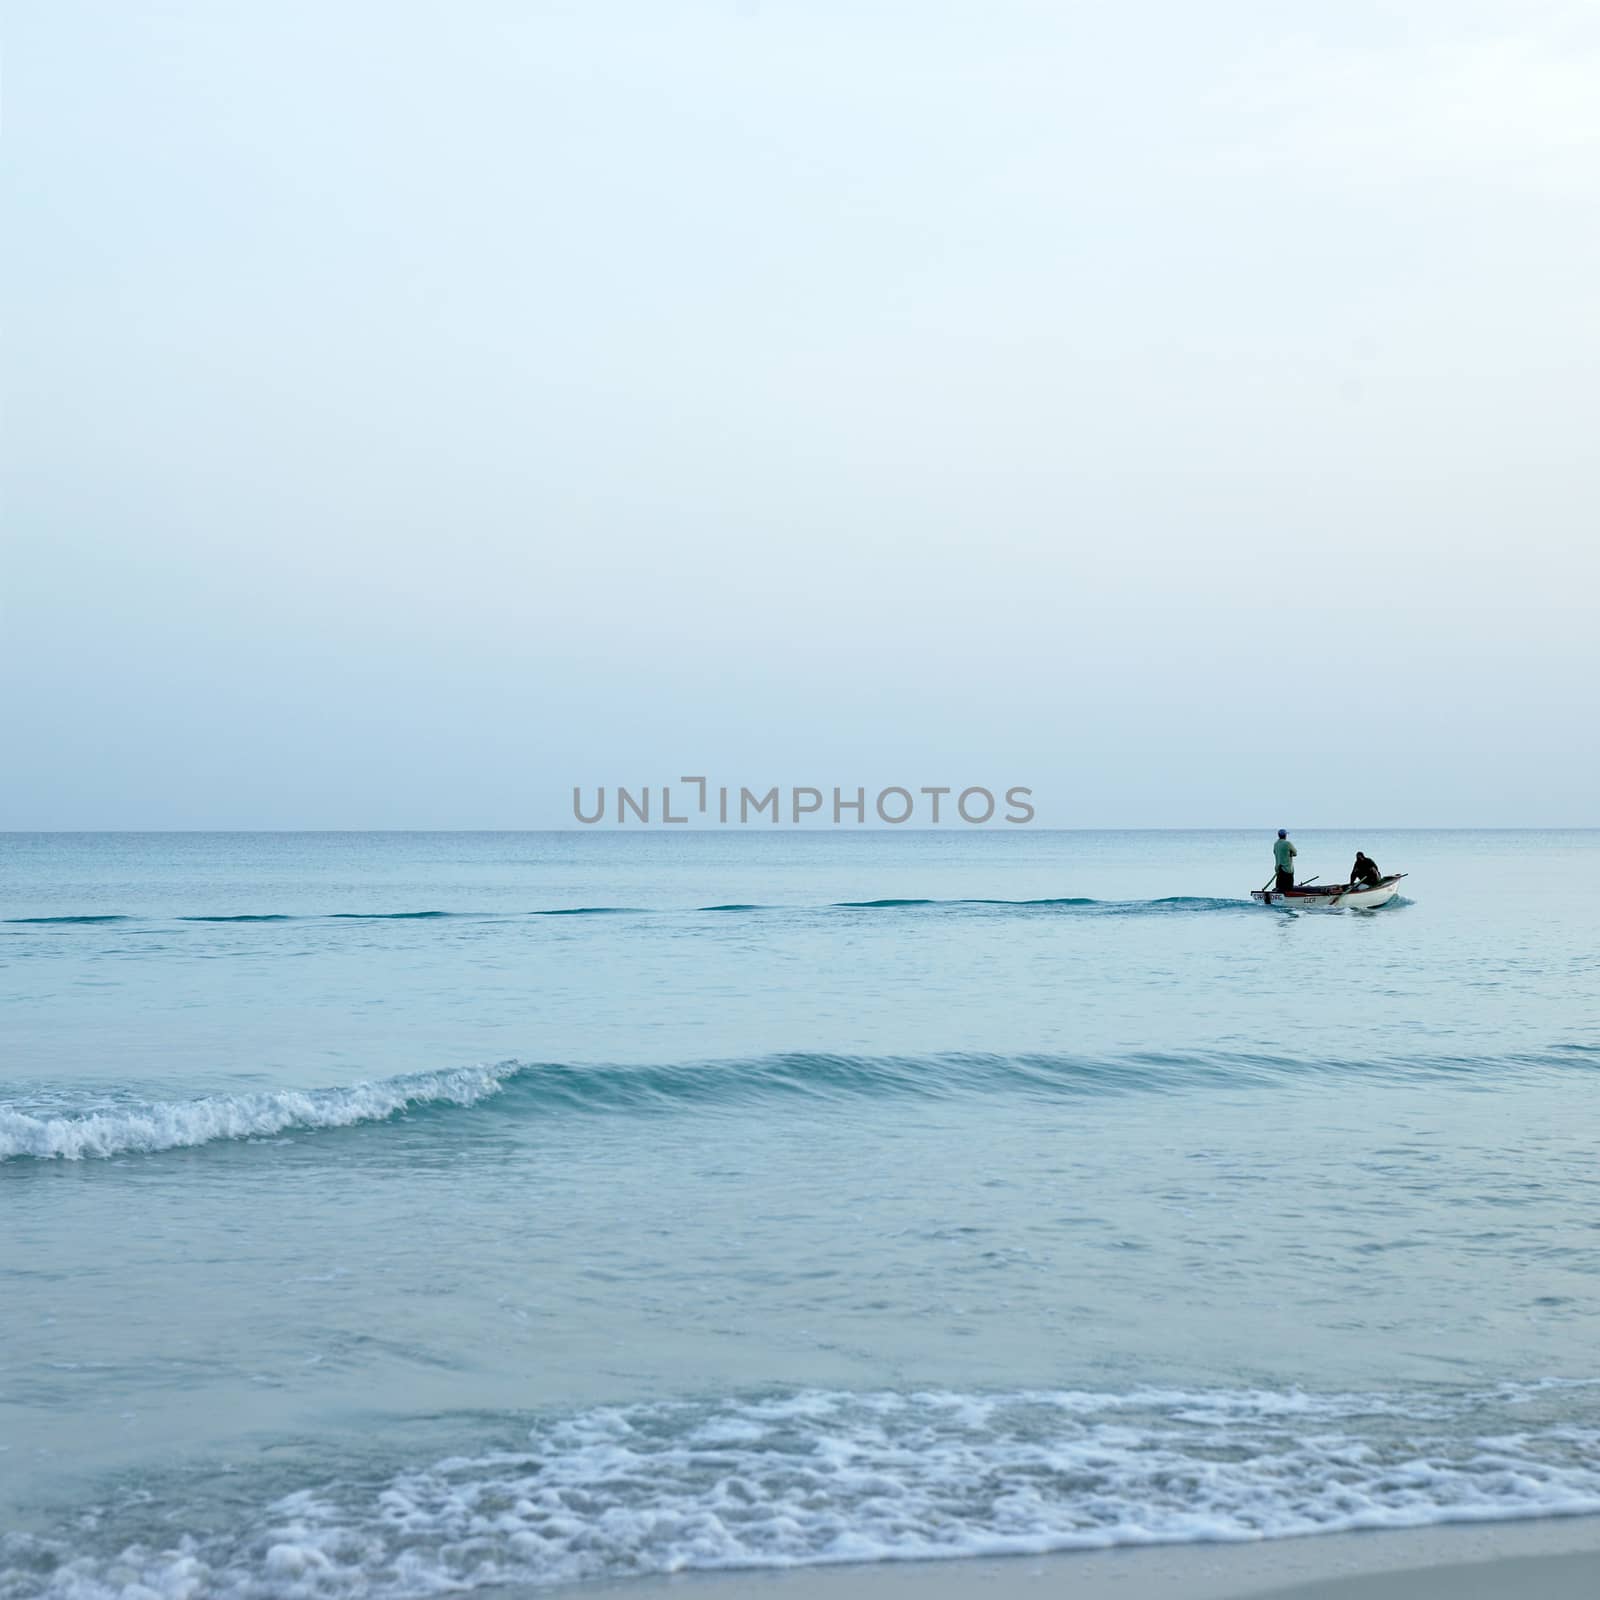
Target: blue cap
1283,833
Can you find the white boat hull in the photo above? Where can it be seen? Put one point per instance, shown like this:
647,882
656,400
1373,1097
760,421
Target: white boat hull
1333,896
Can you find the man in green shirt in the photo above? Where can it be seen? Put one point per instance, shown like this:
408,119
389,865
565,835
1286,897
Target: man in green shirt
1283,854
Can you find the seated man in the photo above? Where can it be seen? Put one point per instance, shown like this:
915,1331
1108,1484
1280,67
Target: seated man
1365,874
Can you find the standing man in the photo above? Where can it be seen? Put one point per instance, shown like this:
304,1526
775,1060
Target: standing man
1283,854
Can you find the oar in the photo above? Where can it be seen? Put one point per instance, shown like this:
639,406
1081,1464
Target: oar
1348,888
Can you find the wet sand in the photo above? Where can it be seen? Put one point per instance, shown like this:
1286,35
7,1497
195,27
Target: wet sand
1554,1559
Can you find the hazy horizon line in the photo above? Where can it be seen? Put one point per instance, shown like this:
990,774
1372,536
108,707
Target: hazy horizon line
829,831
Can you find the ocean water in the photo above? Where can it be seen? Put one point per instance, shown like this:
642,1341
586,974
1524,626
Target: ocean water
397,1214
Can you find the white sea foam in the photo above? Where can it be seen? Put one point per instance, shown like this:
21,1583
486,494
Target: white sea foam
172,1125
826,1477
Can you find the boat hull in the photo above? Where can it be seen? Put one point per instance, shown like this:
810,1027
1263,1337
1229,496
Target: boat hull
1332,896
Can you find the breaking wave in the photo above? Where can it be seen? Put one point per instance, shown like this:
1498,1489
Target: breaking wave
531,1087
180,1124
813,1477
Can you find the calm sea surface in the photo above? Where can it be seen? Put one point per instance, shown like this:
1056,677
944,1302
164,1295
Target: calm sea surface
387,1214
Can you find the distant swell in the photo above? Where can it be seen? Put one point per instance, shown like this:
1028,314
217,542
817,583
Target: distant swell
265,916
389,916
1060,903
707,1087
592,911
1065,900
878,905
64,921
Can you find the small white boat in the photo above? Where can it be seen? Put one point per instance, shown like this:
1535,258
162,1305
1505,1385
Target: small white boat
1332,896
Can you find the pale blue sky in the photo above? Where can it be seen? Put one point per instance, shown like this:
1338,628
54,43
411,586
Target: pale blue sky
414,410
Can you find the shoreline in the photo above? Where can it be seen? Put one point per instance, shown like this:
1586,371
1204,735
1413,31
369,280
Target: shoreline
1556,1558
